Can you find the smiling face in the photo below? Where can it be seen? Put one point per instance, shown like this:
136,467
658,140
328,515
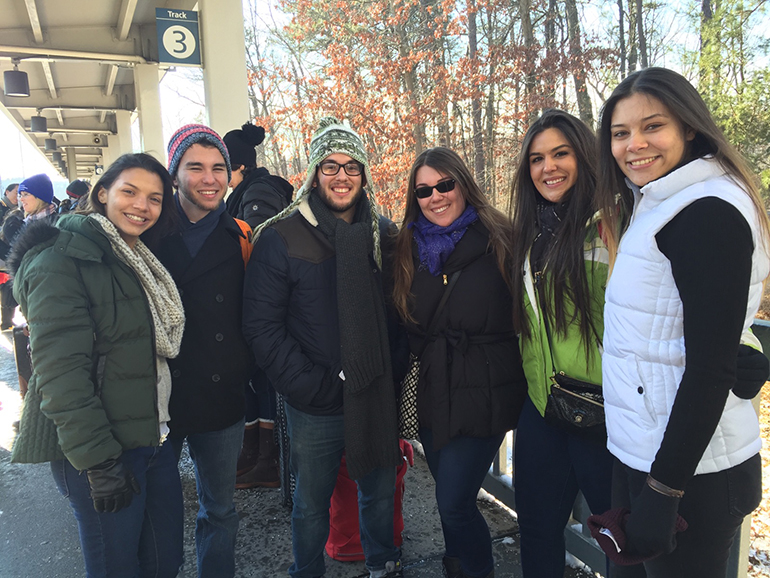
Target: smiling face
552,165
647,141
440,208
339,192
133,203
201,181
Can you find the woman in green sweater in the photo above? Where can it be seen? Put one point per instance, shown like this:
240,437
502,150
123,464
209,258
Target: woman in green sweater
560,263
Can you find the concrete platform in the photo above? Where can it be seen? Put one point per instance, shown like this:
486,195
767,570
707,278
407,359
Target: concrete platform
38,534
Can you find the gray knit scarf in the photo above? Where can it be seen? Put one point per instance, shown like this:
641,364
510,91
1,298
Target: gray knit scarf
164,300
371,437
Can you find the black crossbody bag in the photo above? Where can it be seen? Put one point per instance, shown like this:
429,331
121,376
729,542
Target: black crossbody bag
573,405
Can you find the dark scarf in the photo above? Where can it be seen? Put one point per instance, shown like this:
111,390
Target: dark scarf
371,437
194,235
549,216
436,243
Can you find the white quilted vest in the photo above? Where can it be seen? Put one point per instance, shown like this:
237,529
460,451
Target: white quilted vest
644,351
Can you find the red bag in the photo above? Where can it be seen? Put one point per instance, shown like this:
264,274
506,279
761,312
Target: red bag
344,541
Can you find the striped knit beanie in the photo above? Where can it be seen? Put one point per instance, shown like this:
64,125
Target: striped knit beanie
332,137
189,135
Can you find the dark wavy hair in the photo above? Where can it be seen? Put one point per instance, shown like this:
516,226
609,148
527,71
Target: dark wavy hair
567,280
448,163
168,220
687,107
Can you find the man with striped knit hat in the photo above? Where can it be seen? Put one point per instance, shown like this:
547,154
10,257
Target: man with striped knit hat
315,317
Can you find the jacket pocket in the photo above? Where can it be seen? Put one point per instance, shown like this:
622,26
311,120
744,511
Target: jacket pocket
744,487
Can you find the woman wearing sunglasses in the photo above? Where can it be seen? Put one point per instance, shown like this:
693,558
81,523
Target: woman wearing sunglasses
471,385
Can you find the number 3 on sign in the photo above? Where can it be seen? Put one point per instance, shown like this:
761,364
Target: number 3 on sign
179,41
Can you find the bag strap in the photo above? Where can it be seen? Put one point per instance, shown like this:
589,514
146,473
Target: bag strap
444,298
543,312
246,245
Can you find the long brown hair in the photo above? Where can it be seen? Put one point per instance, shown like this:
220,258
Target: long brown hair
676,93
567,279
448,163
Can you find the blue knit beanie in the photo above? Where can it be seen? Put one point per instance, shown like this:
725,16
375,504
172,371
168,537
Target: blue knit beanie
189,135
39,186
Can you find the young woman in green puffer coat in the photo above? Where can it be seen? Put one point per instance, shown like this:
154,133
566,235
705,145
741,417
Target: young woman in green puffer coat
103,317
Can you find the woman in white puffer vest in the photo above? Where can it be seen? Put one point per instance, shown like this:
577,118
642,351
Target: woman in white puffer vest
683,292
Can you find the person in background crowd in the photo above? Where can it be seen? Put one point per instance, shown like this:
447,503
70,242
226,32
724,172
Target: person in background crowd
7,302
76,191
315,316
561,266
206,259
471,386
103,316
257,196
685,286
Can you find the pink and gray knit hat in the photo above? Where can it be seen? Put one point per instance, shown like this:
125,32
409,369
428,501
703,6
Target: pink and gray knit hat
189,135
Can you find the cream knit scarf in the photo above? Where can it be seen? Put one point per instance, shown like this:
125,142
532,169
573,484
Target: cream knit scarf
165,304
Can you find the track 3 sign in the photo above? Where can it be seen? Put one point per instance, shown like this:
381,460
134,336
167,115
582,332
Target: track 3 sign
178,37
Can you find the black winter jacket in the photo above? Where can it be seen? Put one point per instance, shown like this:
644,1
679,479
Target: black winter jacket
471,378
259,197
290,314
214,364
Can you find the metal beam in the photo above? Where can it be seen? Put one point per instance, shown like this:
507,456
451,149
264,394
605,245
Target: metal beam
49,78
112,74
34,20
52,53
81,98
127,9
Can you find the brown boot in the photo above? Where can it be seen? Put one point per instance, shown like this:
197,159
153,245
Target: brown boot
265,473
249,450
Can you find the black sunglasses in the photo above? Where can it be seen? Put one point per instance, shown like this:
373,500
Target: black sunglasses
441,187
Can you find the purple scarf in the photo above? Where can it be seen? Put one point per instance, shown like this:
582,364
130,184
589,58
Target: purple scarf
436,243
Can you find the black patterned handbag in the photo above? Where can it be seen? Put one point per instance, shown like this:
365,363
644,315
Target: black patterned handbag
408,421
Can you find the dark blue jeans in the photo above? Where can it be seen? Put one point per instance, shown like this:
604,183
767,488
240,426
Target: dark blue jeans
713,506
143,540
551,465
214,455
459,469
317,442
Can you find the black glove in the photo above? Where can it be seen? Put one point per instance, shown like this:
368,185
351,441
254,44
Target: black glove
651,526
112,486
752,370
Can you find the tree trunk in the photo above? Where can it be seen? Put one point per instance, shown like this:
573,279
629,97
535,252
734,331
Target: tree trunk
641,39
632,53
530,79
578,74
478,135
621,40
412,86
549,91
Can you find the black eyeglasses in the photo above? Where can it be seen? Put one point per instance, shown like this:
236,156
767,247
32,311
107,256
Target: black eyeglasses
441,187
331,168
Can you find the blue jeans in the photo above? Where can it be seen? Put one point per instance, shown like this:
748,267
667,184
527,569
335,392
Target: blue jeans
144,539
551,465
215,455
317,443
459,469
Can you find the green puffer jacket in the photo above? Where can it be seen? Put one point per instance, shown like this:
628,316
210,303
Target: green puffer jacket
93,390
569,352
